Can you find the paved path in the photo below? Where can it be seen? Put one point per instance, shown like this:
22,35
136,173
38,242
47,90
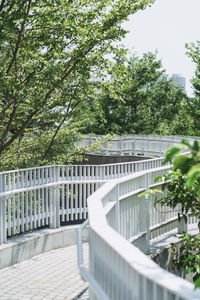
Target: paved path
52,275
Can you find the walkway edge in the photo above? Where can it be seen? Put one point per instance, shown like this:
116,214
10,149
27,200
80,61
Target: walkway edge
27,245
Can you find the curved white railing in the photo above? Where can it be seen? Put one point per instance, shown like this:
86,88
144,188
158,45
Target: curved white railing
46,196
143,145
117,216
36,197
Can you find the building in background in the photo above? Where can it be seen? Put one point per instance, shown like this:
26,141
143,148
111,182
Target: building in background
179,80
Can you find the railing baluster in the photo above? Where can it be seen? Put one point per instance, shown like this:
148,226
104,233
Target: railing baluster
22,212
84,200
35,208
72,201
9,215
63,202
67,200
76,201
47,205
39,210
26,210
80,201
43,213
13,214
18,212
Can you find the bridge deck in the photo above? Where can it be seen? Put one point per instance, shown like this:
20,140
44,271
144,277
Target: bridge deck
52,275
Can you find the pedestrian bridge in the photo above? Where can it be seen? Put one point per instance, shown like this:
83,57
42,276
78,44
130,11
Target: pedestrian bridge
119,220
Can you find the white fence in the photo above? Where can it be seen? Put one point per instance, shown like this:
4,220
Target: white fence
143,145
120,270
46,196
119,217
24,178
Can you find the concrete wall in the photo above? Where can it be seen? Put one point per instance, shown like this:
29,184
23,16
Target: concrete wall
164,260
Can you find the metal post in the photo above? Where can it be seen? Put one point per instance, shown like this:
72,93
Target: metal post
118,210
3,234
147,208
106,149
56,200
121,152
161,146
182,226
148,152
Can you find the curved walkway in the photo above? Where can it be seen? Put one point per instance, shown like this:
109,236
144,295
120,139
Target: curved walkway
52,275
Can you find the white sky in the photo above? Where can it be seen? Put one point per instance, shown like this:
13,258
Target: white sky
166,26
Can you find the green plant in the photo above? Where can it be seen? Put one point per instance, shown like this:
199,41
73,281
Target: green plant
181,189
188,257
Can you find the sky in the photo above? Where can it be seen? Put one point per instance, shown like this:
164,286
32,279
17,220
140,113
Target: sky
166,26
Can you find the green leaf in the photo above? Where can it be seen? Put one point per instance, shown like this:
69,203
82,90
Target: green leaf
150,192
193,175
192,179
196,146
183,163
189,270
197,283
171,153
186,143
157,178
144,194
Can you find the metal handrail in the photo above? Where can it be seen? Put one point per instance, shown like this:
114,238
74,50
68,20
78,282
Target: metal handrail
85,274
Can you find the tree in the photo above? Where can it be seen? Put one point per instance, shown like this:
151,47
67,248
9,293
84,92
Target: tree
139,98
193,51
49,49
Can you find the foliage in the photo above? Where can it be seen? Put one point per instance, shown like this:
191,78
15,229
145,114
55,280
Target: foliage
188,256
193,105
178,195
182,185
139,98
188,164
193,51
31,151
50,49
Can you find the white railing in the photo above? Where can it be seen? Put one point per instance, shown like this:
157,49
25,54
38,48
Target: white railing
12,180
143,145
117,216
34,206
150,146
46,196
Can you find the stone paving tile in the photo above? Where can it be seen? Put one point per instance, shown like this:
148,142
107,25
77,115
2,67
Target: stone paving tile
52,275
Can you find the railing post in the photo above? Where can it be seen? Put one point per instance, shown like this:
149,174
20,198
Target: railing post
147,213
182,226
3,235
161,146
148,146
118,210
121,146
133,146
102,173
143,241
55,200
